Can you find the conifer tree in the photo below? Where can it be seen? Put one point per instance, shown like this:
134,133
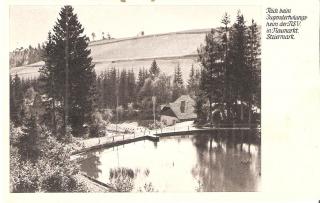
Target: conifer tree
123,89
177,86
28,145
239,72
16,100
211,57
131,86
254,67
113,86
154,70
192,82
141,78
70,65
227,79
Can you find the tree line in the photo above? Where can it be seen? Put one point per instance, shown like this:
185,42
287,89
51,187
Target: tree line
115,92
231,73
24,56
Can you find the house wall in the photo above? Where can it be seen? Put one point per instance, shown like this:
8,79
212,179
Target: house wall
168,120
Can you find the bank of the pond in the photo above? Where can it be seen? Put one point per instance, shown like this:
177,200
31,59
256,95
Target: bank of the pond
92,186
113,139
137,133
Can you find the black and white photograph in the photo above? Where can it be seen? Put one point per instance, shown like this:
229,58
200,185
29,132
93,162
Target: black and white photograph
159,101
135,99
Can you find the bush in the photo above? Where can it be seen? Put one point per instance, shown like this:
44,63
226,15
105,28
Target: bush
122,179
156,125
53,171
98,125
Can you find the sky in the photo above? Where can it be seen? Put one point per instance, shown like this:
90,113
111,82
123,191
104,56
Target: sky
29,25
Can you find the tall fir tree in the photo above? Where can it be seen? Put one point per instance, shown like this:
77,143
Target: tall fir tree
177,86
131,86
123,88
154,70
254,68
141,78
16,100
29,141
226,63
113,86
211,58
69,64
192,82
48,85
239,72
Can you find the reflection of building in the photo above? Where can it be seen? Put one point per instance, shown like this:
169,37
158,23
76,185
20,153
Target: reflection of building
180,110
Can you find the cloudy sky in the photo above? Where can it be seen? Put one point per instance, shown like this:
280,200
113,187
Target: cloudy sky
29,25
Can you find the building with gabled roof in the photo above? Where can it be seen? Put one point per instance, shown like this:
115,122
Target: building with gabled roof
180,110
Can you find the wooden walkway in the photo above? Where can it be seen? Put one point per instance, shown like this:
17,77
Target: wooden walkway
117,143
154,135
195,131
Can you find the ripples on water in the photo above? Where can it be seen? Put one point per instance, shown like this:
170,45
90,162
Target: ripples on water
220,161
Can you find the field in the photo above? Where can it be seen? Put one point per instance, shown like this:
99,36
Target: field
167,49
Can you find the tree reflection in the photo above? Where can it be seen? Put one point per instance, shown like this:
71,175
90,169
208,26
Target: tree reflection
91,165
222,166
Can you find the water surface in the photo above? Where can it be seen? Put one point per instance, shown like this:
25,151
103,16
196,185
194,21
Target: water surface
221,161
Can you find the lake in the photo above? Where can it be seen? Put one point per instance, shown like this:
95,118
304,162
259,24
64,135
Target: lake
209,162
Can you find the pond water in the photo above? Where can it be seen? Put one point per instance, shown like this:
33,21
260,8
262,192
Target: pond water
221,161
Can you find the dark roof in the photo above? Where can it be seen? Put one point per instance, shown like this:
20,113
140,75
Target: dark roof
175,107
167,111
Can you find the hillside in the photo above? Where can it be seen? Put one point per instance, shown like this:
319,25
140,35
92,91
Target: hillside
168,49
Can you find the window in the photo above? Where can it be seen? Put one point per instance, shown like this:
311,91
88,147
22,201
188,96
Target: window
183,106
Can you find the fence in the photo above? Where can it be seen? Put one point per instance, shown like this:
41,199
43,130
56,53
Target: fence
131,134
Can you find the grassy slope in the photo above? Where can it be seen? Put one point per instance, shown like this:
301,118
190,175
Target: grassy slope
137,52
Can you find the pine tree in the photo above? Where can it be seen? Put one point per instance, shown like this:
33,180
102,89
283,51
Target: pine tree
28,145
48,83
154,70
239,74
211,58
254,67
227,81
16,100
123,88
192,82
69,64
199,107
113,86
141,78
131,86
177,86
100,80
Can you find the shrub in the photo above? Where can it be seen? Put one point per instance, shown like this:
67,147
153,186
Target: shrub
122,179
53,171
98,125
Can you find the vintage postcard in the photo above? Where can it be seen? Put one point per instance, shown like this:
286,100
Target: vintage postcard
162,97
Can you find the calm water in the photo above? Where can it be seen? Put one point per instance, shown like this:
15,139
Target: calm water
224,161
